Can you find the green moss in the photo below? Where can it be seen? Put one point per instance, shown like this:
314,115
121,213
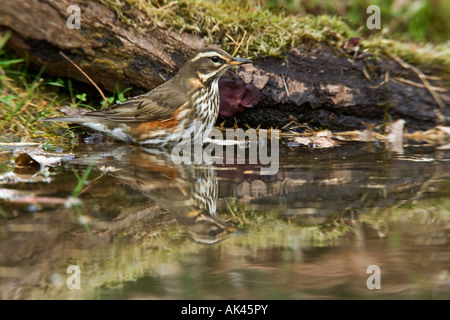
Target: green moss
237,26
424,20
436,55
249,29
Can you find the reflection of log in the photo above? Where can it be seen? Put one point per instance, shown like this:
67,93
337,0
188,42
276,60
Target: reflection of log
314,188
321,86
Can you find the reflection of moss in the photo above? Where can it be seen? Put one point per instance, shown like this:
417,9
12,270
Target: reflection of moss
162,252
165,252
435,212
259,30
265,229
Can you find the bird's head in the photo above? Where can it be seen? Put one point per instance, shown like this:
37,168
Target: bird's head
208,65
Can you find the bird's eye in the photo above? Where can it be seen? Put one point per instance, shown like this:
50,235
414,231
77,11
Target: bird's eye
215,59
213,233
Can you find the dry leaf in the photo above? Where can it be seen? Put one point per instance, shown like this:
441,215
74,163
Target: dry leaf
28,157
302,140
444,129
324,133
348,136
25,160
316,142
24,163
367,135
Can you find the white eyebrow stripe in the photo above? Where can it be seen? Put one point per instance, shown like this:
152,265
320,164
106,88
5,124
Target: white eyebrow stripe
208,54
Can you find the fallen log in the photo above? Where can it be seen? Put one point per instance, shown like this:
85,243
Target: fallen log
313,83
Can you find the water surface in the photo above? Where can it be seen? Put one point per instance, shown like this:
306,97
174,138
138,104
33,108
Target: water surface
150,229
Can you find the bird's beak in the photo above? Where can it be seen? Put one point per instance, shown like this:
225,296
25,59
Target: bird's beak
239,61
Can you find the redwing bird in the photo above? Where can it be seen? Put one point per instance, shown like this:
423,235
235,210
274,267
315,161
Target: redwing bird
188,193
183,108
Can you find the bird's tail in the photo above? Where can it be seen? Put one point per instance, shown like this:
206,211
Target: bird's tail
77,120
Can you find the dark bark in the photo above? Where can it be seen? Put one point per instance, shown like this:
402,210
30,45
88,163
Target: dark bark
323,86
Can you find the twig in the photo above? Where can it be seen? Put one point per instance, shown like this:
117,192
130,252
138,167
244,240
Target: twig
287,125
247,44
231,38
285,86
240,43
386,80
87,77
433,77
233,213
437,89
426,83
90,183
366,74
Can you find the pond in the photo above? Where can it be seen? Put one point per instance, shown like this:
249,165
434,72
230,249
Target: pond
113,221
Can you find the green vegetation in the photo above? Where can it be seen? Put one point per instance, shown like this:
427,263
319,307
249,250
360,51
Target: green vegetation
78,189
251,29
23,99
419,20
26,97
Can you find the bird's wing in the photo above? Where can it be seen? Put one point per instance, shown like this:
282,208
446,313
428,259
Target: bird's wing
158,104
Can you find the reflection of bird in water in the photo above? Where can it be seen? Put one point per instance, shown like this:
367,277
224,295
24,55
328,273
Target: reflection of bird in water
188,192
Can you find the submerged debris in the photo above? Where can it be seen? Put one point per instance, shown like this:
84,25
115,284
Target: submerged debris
13,178
28,197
